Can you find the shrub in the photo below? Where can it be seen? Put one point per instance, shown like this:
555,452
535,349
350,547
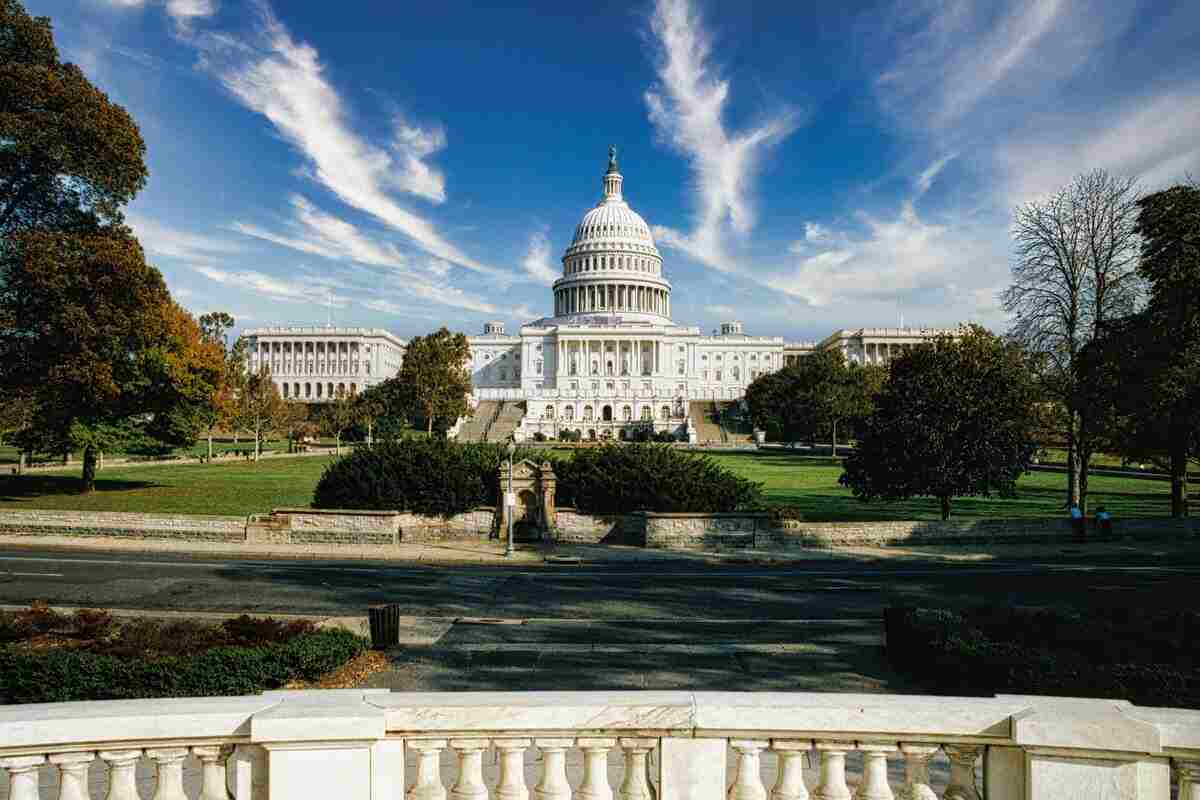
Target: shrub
52,676
434,477
645,477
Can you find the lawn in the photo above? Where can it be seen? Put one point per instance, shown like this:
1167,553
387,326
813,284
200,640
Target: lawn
242,488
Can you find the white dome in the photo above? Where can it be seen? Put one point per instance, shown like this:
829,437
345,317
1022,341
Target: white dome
612,265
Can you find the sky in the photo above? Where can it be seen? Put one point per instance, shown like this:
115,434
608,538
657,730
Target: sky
803,166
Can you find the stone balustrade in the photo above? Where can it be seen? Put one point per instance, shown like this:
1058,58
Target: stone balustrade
377,745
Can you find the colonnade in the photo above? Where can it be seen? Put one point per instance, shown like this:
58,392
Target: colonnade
301,357
610,357
612,297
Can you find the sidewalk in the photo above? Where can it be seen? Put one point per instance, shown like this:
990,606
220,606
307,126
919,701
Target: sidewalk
491,553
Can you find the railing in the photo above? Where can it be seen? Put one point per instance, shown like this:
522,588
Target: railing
376,745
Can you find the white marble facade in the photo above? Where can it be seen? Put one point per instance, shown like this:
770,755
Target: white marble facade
610,353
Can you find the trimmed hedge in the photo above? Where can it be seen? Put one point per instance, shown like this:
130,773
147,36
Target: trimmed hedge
1150,659
651,477
53,676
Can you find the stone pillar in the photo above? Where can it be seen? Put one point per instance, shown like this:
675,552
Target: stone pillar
549,486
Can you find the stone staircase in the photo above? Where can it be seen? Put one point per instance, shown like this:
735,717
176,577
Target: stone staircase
734,431
475,428
508,419
705,420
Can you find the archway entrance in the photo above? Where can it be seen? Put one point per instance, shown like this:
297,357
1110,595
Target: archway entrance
527,517
606,414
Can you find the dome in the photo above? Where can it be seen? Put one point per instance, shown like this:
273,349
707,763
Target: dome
612,266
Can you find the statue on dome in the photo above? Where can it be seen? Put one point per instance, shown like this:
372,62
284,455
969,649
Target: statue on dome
612,158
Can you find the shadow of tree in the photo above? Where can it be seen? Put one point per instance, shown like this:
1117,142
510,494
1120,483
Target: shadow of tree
14,488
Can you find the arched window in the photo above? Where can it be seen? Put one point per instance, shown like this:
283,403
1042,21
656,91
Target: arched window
285,391
308,390
353,389
736,373
664,413
627,413
587,413
569,413
647,414
319,388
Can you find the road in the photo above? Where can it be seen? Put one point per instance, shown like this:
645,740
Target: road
806,626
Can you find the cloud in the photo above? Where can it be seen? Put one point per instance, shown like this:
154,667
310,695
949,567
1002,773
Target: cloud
161,239
312,289
929,174
318,233
284,80
182,12
686,108
950,270
537,263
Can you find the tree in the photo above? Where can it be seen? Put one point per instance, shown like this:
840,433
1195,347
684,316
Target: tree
815,398
1147,366
18,410
215,326
295,423
89,332
338,415
370,406
433,382
69,157
955,418
1075,268
259,409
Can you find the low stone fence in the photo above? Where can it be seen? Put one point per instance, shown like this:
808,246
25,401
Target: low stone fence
123,525
310,526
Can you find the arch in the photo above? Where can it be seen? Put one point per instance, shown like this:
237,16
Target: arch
285,391
606,413
664,413
588,413
330,388
568,413
295,390
627,413
341,389
591,434
320,387
308,390
647,414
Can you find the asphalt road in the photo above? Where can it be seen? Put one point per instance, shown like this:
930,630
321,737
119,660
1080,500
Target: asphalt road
811,626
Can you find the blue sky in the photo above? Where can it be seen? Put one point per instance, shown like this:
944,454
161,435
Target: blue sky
803,166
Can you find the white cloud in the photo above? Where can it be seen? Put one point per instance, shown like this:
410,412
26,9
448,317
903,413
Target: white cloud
160,239
182,12
284,80
686,108
413,175
318,233
312,289
537,263
929,174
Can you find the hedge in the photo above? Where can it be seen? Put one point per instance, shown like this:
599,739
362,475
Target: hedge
58,675
1148,658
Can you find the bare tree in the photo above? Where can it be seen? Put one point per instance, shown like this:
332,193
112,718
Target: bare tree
1075,268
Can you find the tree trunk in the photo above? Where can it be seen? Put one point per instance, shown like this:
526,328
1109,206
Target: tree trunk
89,470
945,507
20,462
257,439
834,428
370,438
1072,462
210,445
337,444
1084,461
1179,478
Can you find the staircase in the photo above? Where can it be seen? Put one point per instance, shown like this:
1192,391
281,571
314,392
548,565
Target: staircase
705,420
734,431
508,418
475,428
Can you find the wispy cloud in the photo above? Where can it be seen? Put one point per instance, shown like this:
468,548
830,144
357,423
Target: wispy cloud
284,80
929,174
160,239
538,263
182,12
686,108
310,289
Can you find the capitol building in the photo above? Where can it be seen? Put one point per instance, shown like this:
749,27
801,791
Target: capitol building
608,361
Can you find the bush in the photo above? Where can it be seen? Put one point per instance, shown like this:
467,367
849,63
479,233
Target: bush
53,676
435,477
644,477
1151,659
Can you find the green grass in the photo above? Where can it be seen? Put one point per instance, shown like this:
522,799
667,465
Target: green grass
242,488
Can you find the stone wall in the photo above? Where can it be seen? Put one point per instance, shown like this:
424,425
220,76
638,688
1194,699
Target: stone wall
701,531
579,528
476,524
123,525
326,526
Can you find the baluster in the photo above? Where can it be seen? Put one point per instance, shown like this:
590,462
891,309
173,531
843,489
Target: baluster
747,784
874,784
833,771
635,785
169,785
72,774
789,781
595,784
212,770
1188,775
429,770
553,784
122,765
512,769
23,776
469,784
916,771
962,772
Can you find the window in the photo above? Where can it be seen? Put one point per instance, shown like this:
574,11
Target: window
664,413
647,415
626,413
569,413
587,413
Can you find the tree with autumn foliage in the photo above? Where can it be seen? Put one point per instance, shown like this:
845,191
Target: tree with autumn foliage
259,408
89,332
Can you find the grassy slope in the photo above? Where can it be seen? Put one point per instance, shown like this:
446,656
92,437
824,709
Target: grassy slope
241,488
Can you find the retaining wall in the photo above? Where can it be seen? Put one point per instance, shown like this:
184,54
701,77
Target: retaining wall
576,527
123,525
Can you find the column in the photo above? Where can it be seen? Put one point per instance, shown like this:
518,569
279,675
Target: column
789,781
874,784
595,784
747,784
511,785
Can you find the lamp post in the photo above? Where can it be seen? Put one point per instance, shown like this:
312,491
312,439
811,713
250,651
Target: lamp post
510,506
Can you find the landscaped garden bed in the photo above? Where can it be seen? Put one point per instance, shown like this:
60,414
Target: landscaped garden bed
46,656
1150,658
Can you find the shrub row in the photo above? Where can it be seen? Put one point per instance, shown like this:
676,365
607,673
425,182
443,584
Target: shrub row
58,675
1050,652
443,478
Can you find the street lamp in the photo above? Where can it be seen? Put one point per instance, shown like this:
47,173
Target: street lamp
509,500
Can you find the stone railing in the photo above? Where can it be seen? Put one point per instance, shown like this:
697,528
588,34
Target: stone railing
376,745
